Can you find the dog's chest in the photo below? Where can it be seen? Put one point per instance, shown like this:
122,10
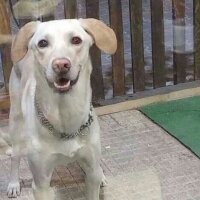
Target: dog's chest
66,119
68,148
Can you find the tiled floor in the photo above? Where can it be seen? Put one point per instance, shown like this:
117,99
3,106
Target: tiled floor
140,160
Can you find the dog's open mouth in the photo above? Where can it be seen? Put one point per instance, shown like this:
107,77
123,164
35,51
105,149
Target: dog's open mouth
64,84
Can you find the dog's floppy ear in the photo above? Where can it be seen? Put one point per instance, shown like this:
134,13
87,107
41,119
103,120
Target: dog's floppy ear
104,37
20,42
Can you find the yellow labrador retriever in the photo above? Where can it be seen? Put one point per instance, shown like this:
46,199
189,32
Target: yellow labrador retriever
52,120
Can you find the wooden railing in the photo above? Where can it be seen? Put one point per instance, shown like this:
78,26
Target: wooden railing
5,29
139,75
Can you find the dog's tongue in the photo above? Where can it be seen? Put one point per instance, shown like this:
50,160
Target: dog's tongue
62,83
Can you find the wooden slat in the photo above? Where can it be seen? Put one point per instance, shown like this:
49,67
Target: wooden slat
197,38
158,51
70,7
92,10
4,101
180,62
5,29
136,23
4,19
118,58
6,64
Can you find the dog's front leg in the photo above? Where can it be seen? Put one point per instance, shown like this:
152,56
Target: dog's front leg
93,181
43,191
14,184
90,163
42,170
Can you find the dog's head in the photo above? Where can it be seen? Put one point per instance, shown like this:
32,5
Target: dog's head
61,48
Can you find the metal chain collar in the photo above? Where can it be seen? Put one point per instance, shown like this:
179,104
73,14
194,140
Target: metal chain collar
61,135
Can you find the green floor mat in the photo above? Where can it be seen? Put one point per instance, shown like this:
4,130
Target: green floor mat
181,118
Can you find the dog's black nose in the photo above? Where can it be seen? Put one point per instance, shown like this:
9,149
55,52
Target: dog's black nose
61,65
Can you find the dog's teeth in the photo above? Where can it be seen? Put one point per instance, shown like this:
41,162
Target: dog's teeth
66,86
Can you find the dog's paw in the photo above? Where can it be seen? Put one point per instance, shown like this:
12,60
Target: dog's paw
104,182
13,190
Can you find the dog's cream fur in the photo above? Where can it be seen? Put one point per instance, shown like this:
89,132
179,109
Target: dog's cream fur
30,75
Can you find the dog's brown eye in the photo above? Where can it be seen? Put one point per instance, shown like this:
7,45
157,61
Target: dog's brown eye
43,43
76,40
